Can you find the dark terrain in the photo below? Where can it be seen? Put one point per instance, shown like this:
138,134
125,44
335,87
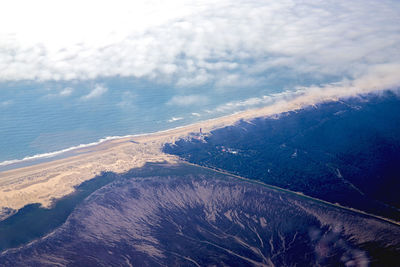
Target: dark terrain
162,215
183,215
34,221
345,152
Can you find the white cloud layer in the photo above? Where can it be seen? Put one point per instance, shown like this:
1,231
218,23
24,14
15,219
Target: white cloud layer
189,43
384,76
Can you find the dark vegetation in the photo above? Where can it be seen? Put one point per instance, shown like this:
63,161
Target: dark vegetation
182,215
346,152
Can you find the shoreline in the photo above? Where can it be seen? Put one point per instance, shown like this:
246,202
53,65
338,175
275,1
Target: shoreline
27,161
297,100
55,178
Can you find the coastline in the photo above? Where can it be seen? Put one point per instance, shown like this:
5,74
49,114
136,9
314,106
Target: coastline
57,177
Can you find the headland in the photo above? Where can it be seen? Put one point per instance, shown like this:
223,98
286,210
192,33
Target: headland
53,179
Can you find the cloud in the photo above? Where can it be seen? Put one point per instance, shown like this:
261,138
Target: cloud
380,77
96,92
66,92
220,43
245,104
188,100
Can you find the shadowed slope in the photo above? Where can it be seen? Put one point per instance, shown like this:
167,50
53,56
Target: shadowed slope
345,151
188,216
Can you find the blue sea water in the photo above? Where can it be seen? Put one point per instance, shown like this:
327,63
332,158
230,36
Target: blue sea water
35,118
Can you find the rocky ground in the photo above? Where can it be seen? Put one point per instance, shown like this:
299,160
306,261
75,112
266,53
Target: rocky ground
165,215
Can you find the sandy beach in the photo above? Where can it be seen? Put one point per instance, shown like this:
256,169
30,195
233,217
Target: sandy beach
47,181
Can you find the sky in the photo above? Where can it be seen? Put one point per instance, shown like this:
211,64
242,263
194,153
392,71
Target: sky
194,56
220,43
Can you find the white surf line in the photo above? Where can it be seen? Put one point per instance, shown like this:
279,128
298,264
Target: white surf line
297,99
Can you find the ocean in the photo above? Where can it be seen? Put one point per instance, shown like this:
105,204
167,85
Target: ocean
41,119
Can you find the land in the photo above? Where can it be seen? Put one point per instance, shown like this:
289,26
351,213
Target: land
314,186
344,152
184,215
46,182
33,221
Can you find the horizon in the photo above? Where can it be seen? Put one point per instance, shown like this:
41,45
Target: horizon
101,69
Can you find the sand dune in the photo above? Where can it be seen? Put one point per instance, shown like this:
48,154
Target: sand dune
44,182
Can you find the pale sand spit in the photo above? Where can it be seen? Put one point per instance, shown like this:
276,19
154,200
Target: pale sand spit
45,182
